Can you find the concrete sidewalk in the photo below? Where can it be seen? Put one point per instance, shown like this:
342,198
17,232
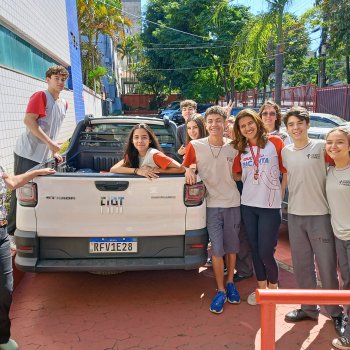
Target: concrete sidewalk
158,310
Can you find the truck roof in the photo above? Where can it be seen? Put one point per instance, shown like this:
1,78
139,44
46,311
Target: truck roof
89,120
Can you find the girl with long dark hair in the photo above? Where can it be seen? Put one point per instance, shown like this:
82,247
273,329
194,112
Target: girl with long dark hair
143,156
259,165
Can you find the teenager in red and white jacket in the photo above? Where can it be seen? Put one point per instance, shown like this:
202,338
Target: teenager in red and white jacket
259,165
43,119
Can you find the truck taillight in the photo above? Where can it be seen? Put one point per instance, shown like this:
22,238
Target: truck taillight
194,194
27,195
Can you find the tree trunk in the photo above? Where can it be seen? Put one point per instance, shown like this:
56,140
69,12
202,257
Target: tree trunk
279,59
347,63
232,95
227,94
264,92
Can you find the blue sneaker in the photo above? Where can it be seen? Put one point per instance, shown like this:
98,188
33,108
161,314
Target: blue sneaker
232,293
217,304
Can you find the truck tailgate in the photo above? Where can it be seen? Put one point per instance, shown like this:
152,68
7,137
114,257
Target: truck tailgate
109,206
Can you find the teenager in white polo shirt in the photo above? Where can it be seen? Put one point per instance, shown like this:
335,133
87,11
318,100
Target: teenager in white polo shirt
338,196
259,165
214,157
310,231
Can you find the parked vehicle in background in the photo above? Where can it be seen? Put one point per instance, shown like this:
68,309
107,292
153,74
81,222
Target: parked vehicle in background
202,107
176,115
324,120
84,218
169,110
321,123
236,110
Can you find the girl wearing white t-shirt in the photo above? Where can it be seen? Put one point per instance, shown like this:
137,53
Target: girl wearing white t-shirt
143,156
338,197
259,165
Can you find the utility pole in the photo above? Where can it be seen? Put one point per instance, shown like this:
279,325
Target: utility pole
322,57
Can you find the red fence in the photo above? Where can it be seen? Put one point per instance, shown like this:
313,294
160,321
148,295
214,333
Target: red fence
334,100
137,102
300,95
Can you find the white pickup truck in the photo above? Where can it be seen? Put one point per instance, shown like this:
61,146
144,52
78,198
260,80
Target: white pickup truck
84,218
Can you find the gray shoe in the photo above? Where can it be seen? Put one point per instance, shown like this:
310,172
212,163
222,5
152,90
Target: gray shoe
10,345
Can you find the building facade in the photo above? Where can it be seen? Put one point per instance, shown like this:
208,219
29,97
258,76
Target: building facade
35,35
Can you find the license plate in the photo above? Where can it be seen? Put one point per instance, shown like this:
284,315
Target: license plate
113,245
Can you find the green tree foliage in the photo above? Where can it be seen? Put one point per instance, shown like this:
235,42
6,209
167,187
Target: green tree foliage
214,25
95,18
254,56
336,14
336,17
151,82
305,73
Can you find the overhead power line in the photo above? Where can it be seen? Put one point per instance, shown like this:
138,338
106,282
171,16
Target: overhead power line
220,64
155,23
171,28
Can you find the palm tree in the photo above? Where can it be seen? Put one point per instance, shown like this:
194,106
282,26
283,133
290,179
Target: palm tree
95,18
277,8
252,49
129,48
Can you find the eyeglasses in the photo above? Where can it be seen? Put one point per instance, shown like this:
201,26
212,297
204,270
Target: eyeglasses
265,114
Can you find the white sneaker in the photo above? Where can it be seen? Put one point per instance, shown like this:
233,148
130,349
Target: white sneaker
10,345
342,343
251,300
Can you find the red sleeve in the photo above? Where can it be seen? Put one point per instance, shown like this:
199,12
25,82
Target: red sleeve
37,104
237,167
190,156
162,160
328,159
279,145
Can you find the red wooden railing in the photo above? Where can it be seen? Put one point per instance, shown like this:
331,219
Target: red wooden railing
268,298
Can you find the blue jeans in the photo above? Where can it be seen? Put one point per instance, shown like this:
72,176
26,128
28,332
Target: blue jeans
6,286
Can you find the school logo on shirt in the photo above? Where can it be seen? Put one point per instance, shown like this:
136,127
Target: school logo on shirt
313,156
247,162
344,182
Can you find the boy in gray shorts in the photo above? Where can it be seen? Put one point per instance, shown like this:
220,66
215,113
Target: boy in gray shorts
310,231
214,157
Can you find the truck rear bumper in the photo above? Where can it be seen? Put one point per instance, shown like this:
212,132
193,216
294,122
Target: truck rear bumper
96,265
28,257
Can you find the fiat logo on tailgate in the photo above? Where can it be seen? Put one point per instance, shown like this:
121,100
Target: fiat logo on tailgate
111,205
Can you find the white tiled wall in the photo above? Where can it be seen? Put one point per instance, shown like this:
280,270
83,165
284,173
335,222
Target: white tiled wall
92,102
40,22
15,91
